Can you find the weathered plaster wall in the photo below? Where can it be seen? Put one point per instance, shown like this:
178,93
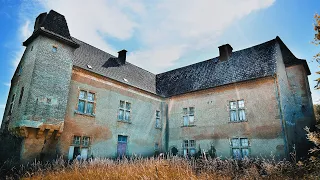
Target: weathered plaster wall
296,105
104,127
212,124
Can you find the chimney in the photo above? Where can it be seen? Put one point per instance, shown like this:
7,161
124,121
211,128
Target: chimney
122,56
225,52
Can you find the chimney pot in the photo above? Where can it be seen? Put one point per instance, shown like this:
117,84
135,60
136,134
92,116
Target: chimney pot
225,52
122,56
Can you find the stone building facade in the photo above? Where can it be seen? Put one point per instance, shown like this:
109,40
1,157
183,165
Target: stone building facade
68,98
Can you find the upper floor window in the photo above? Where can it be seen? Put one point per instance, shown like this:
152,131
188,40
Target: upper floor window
240,147
237,111
11,104
188,116
124,111
158,121
86,102
189,147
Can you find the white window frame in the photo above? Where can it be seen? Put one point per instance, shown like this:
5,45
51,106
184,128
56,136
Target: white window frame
187,113
188,146
240,146
125,110
237,109
86,102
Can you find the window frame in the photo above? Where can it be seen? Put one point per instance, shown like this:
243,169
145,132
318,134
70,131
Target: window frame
240,146
237,111
125,110
158,124
86,102
186,145
188,113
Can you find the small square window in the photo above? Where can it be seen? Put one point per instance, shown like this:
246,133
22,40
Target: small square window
54,49
76,140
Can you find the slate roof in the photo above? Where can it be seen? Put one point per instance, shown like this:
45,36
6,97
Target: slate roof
251,63
107,65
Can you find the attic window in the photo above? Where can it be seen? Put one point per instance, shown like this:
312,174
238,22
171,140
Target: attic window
90,67
126,80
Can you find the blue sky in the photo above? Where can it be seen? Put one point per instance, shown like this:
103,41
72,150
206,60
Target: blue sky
164,34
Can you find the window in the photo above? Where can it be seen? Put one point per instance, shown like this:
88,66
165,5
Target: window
20,70
54,49
79,146
189,147
11,104
237,111
124,111
86,102
31,48
21,95
158,122
240,147
188,116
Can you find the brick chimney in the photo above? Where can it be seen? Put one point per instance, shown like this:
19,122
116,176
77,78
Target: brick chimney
225,52
122,56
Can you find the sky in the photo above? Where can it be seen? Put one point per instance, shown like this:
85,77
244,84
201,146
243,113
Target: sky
161,35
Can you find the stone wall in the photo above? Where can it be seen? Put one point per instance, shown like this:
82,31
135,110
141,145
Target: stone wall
212,122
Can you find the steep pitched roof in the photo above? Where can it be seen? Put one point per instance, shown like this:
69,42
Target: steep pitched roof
108,65
251,63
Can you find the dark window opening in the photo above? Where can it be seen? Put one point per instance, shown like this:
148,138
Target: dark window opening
21,95
11,104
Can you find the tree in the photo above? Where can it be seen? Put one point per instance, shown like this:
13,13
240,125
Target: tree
316,41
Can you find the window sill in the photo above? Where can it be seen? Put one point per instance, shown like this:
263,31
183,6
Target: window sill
84,114
158,128
231,122
189,126
123,121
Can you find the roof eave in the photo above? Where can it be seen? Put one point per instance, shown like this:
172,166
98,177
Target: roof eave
44,32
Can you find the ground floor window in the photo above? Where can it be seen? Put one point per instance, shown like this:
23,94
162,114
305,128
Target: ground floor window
189,147
239,147
80,146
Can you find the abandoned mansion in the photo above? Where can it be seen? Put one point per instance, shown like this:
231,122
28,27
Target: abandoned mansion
68,98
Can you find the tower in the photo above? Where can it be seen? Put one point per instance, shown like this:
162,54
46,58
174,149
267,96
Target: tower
39,90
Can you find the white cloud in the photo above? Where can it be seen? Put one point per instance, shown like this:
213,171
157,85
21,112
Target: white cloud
165,30
7,84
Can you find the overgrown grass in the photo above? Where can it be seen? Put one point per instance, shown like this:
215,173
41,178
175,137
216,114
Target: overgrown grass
170,168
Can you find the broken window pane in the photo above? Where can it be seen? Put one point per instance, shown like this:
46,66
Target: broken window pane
89,108
242,115
121,114
233,105
121,104
90,97
233,116
128,106
82,95
191,110
185,121
81,106
185,111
